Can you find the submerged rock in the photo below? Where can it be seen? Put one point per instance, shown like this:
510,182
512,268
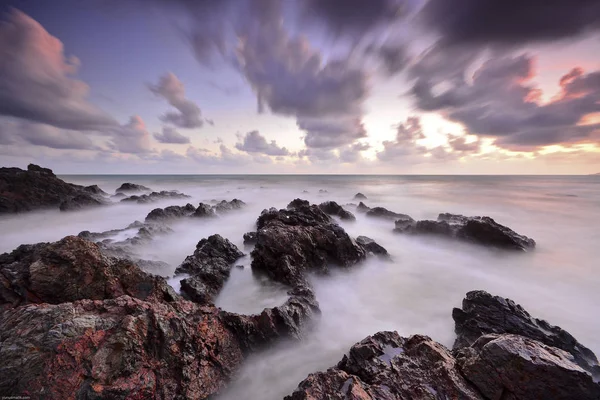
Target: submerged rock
372,247
210,266
225,206
380,212
132,187
170,212
362,207
515,367
483,314
296,240
479,230
386,366
360,196
204,211
37,187
95,189
333,208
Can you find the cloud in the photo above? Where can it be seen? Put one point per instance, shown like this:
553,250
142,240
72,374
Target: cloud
254,142
225,157
331,132
36,82
22,132
502,102
188,113
510,22
352,154
170,135
405,145
131,138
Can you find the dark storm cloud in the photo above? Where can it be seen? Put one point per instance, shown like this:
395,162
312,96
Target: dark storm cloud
171,89
21,132
36,78
510,22
170,135
254,142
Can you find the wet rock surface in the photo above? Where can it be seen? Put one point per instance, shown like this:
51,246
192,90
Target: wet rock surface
516,367
483,313
387,366
372,247
250,238
37,188
204,211
302,238
224,206
210,266
170,212
480,230
132,187
333,208
155,196
380,212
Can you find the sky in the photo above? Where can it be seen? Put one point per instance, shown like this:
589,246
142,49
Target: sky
301,86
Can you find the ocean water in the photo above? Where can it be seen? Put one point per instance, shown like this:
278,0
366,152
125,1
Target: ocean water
558,281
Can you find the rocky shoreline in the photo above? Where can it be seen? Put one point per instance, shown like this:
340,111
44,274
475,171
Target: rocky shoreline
82,318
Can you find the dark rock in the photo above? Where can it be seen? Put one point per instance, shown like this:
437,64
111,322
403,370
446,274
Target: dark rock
155,196
210,266
380,212
479,230
323,191
132,187
73,269
386,366
118,196
95,189
122,348
515,367
81,201
290,320
33,189
170,212
291,242
333,208
483,314
360,196
296,203
239,266
204,211
225,206
372,247
362,207
250,238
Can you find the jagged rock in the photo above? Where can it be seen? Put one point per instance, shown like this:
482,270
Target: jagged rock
372,247
210,266
73,269
293,241
250,238
33,189
296,203
380,212
482,314
204,211
290,320
223,206
122,348
132,187
362,207
333,208
479,230
518,368
360,196
386,366
155,196
95,189
80,201
170,212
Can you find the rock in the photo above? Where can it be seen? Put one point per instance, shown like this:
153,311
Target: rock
386,366
290,320
210,266
380,212
81,201
294,241
479,230
155,196
225,206
73,269
95,189
483,314
122,348
118,196
250,238
132,187
372,247
35,188
323,191
296,203
515,367
204,211
362,207
333,208
360,196
170,212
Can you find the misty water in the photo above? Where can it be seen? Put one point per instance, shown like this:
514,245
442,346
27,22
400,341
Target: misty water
558,281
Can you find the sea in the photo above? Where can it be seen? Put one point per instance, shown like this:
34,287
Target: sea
558,281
